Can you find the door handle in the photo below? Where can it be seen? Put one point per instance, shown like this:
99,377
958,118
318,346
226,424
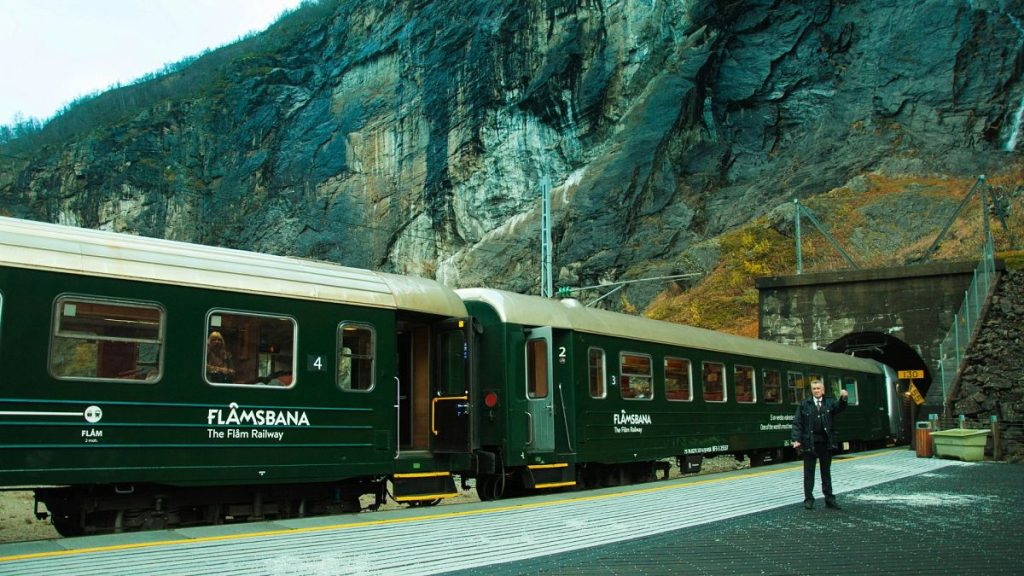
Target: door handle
398,418
529,428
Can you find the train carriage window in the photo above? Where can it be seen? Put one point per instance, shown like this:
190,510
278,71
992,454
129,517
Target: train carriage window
850,385
356,351
537,368
797,390
678,378
107,340
251,349
743,381
714,381
596,362
635,378
772,386
837,385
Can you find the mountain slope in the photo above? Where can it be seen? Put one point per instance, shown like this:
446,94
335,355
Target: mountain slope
416,137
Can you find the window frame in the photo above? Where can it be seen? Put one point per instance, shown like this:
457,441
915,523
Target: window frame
625,378
535,385
209,327
778,385
160,341
796,392
724,385
753,383
689,379
602,376
834,384
853,397
340,355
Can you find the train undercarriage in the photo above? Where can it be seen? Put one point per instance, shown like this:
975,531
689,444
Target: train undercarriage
99,509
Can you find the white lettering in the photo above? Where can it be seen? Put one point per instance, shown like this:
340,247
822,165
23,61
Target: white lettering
236,417
270,434
631,419
707,449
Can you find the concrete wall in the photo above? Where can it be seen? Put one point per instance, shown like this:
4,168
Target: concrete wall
914,304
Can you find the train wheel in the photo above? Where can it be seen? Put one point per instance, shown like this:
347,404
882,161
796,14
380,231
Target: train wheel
485,487
756,459
490,487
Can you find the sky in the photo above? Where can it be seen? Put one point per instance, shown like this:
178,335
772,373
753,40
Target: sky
55,51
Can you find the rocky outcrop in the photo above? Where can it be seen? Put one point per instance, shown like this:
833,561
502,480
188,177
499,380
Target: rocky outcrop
416,137
992,382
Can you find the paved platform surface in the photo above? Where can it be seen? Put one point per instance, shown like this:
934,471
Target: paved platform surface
957,520
901,515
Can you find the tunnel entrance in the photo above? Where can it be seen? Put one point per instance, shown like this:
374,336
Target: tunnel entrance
888,350
894,353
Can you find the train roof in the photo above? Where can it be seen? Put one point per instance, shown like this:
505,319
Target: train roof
42,246
570,314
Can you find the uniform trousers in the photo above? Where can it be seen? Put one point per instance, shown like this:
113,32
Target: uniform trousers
822,454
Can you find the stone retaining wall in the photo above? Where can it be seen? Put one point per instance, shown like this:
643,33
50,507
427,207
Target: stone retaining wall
993,378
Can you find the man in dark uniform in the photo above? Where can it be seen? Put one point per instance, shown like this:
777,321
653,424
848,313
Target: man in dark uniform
815,436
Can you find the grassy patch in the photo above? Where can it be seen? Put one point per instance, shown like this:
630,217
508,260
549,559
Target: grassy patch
726,299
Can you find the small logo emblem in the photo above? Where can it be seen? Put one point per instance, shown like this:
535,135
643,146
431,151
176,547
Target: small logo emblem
93,414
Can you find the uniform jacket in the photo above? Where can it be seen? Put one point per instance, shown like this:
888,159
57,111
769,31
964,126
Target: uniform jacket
803,422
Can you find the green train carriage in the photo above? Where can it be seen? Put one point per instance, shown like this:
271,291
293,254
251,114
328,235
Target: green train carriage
334,382
572,395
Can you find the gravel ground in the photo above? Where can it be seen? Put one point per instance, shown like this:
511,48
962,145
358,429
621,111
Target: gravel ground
18,522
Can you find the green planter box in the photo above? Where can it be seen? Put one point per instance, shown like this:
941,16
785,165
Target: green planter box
960,443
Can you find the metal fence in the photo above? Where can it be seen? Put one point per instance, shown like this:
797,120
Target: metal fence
953,346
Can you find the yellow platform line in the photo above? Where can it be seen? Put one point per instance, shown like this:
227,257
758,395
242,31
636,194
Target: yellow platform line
440,515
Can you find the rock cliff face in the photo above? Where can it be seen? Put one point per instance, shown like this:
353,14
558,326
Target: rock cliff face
416,136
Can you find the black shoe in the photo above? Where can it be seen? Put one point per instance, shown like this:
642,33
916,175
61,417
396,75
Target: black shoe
831,503
809,504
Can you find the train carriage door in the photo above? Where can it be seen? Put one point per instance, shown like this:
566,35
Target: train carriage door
454,385
540,406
